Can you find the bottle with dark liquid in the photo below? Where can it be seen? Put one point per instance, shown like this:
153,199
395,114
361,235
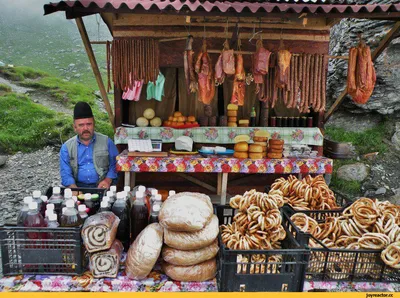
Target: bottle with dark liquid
120,209
36,195
24,211
82,212
34,219
253,117
139,216
44,204
154,213
70,217
104,206
57,200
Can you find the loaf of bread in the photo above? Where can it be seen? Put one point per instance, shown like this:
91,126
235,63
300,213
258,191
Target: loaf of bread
276,142
99,231
189,257
200,272
193,240
256,155
106,263
186,212
144,252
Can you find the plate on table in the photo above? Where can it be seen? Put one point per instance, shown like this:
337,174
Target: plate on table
206,152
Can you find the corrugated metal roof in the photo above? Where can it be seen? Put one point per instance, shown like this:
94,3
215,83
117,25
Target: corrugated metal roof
319,7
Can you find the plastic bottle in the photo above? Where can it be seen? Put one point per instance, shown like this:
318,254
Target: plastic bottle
129,192
67,197
111,196
89,204
82,212
52,221
253,119
107,199
68,192
24,211
154,213
36,195
70,217
113,188
104,206
139,215
171,193
44,204
57,200
75,198
156,198
34,220
121,209
47,213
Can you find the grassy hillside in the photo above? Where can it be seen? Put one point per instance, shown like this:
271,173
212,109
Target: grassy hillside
26,126
49,43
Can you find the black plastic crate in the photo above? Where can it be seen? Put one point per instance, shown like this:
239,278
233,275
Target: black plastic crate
280,270
334,264
341,200
61,253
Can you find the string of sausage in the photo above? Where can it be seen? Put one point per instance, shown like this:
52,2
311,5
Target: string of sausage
134,59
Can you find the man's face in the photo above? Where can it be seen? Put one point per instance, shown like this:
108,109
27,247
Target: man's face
84,128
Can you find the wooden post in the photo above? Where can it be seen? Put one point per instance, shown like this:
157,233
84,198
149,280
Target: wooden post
95,68
375,54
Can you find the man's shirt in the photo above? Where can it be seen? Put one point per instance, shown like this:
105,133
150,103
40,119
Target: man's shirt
86,170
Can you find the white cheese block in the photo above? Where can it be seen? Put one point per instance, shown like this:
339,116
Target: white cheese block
184,143
220,149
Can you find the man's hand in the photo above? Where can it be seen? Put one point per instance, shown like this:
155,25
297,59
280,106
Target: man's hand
105,183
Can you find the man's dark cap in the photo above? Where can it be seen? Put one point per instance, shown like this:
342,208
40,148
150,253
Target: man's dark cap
82,110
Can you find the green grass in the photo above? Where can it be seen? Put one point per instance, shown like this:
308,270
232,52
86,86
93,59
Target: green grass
21,73
365,142
25,126
4,87
350,188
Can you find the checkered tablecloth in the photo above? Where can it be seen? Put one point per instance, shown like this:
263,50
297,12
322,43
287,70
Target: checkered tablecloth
220,135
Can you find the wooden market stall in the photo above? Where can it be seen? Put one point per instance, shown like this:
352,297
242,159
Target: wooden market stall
301,28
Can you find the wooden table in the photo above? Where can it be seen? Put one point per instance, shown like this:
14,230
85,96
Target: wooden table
222,165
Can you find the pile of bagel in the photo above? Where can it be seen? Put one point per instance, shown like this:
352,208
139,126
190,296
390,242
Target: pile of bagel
306,194
368,224
256,225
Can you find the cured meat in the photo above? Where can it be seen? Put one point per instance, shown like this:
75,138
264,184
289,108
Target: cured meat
191,84
239,88
228,62
361,76
106,263
261,59
99,231
206,81
283,63
240,73
219,71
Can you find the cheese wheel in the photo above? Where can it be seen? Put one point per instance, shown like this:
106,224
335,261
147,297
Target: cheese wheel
262,134
242,138
232,119
256,155
276,147
232,124
274,155
260,139
241,147
244,121
232,107
264,144
243,125
272,150
254,148
240,155
276,142
232,113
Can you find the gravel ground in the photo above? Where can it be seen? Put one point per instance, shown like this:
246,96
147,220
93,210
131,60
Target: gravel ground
22,174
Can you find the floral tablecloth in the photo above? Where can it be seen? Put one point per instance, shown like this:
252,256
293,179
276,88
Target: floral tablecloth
220,135
199,164
156,282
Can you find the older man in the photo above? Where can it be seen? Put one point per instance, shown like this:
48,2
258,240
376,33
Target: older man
88,159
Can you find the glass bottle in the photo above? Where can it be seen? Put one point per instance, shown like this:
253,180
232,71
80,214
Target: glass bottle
253,117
